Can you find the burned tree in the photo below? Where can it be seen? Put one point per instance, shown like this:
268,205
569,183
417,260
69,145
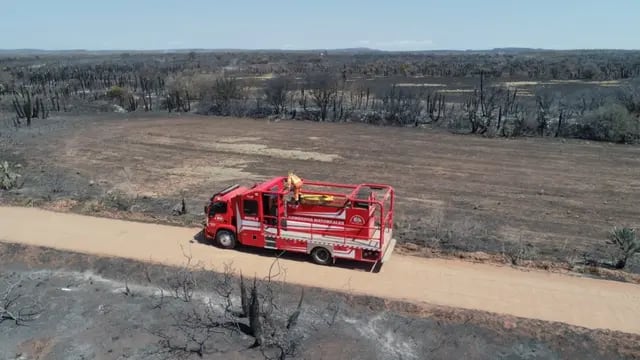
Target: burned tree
470,109
323,88
132,103
550,108
28,107
179,90
146,85
223,94
544,106
198,326
276,91
435,106
488,108
400,107
176,102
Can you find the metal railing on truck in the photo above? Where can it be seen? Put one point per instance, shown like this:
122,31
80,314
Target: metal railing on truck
384,219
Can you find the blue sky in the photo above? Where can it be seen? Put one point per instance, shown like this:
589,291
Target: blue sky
304,24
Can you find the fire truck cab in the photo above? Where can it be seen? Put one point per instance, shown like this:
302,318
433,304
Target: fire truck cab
325,220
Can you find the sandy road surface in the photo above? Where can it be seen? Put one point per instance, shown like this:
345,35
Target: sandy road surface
579,301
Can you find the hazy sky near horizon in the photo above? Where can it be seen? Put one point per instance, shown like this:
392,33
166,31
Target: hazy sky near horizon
306,24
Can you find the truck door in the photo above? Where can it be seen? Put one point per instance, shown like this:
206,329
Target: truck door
270,209
250,229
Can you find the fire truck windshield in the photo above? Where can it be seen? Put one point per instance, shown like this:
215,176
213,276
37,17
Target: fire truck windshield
218,207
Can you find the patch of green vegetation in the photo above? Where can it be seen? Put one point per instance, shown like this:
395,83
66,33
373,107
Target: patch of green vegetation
9,179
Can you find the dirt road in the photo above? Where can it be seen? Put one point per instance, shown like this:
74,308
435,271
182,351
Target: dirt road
553,297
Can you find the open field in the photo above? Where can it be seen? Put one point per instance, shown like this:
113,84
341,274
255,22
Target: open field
549,199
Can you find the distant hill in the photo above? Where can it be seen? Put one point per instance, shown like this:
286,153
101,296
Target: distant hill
342,51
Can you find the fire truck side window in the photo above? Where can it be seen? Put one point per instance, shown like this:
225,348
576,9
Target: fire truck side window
218,208
250,207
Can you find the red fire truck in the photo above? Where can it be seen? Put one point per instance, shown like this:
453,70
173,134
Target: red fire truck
329,221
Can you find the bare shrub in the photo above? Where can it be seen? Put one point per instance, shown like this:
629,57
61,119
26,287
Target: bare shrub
179,209
400,107
16,306
519,251
118,200
182,283
627,244
573,260
489,108
198,325
221,95
587,100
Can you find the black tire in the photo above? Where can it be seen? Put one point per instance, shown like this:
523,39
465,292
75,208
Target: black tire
225,239
321,256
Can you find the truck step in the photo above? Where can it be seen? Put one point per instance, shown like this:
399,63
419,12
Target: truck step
270,242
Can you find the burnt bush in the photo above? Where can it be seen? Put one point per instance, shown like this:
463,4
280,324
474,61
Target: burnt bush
16,304
626,243
9,179
225,96
227,306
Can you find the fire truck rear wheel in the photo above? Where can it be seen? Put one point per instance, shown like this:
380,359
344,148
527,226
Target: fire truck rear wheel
321,256
225,239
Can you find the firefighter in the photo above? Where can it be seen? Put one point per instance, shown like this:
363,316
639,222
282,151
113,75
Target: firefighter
296,182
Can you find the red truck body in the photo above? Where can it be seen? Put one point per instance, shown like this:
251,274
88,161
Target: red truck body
328,221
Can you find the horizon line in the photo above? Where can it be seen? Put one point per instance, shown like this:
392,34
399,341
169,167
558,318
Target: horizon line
202,49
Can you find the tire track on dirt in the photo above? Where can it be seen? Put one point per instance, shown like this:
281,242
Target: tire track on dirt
540,295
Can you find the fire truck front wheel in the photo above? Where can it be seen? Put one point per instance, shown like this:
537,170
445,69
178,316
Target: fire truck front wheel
321,256
225,239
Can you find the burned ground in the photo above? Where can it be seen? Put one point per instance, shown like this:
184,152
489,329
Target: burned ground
546,199
96,307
